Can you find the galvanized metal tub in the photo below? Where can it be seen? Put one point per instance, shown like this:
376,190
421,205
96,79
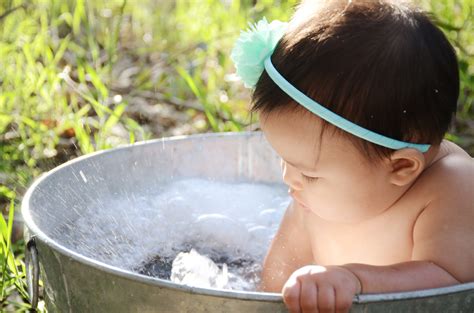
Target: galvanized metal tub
76,283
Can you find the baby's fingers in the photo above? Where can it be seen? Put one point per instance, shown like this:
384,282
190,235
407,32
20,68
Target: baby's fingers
308,296
291,294
343,300
326,299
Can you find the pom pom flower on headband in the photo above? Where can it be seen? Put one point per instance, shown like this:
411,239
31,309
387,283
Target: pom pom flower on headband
253,47
252,54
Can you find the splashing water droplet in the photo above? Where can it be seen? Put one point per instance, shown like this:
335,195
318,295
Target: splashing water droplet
83,176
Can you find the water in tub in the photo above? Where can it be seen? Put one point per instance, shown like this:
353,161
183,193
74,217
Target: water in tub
196,232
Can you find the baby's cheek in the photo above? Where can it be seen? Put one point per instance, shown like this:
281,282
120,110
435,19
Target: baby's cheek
321,198
336,201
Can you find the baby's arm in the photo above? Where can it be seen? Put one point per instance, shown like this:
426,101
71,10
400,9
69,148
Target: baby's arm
289,250
321,289
407,276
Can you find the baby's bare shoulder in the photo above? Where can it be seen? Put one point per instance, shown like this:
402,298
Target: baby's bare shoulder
451,178
444,230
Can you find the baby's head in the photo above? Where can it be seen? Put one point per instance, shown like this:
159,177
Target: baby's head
381,65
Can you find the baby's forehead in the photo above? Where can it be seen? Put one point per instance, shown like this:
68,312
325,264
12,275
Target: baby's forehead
300,122
291,113
295,137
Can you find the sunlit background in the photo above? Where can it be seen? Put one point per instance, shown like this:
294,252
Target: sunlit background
80,76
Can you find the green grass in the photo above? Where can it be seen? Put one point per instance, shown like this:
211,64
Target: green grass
70,69
12,267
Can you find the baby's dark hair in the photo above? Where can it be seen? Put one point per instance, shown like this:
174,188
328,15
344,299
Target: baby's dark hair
382,65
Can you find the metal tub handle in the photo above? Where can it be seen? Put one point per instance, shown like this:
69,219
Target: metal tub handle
32,271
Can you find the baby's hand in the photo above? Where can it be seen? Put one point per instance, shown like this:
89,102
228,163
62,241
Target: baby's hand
320,289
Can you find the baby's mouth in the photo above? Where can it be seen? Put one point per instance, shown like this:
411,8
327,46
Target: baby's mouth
295,198
302,204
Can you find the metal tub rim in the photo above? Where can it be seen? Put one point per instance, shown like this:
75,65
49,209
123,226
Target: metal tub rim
235,294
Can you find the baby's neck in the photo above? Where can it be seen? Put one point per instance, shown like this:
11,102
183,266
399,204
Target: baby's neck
435,153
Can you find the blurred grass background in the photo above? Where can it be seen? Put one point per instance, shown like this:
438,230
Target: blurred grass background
79,76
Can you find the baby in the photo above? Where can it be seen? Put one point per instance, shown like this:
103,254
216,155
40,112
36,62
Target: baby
356,96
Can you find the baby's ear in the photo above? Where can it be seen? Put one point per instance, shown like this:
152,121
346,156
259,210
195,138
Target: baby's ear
406,165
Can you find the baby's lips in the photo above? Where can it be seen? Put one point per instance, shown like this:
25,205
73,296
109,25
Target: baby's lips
295,197
304,206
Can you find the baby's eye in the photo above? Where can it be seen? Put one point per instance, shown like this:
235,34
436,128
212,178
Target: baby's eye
309,179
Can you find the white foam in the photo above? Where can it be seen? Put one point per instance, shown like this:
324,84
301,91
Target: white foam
198,270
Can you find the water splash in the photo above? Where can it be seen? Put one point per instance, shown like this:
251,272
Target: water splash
230,224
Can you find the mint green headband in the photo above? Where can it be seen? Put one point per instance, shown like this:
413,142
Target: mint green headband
252,54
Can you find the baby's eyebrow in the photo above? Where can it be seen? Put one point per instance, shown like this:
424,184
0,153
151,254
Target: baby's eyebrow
300,166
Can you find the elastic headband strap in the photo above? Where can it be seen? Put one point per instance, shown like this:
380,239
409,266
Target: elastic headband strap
335,119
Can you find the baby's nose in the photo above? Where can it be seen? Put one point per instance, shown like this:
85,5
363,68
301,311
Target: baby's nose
292,177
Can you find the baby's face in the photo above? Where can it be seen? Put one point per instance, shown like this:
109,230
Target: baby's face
325,173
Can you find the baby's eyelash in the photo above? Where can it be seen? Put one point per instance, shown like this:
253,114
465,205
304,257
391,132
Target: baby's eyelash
309,179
